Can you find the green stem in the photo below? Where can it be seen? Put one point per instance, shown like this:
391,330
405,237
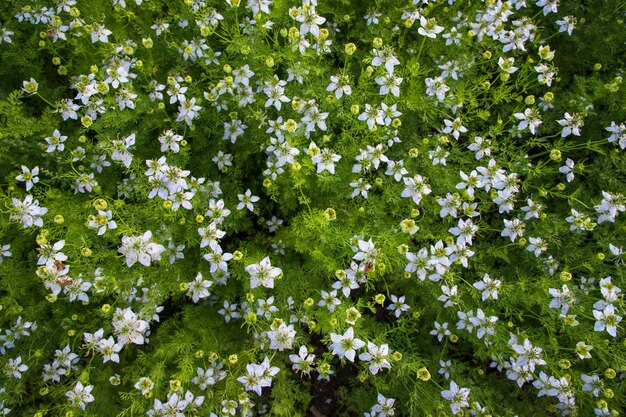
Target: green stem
45,100
421,47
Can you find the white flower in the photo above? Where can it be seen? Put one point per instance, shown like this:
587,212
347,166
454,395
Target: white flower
455,127
340,84
28,176
440,330
310,20
28,212
360,187
55,142
607,320
198,288
80,395
583,349
416,188
102,222
384,407
593,384
303,361
464,231
537,245
568,23
329,300
140,248
389,83
398,306
275,92
246,200
429,27
109,350
506,65
549,6
30,86
128,327
372,115
436,87
210,235
377,357
385,56
325,161
481,147
100,33
346,345
513,229
366,251
258,376
170,141
531,119
281,337
145,385
568,170
4,252
15,367
120,150
263,273
571,124
489,287
458,397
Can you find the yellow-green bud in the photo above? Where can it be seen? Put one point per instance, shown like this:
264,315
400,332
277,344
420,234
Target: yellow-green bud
86,121
350,48
251,318
423,374
555,155
175,384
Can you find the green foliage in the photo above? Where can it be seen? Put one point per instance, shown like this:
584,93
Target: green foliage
206,204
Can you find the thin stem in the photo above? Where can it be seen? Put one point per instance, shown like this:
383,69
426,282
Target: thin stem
44,99
421,47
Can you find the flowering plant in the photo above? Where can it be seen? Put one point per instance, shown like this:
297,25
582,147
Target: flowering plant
281,207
